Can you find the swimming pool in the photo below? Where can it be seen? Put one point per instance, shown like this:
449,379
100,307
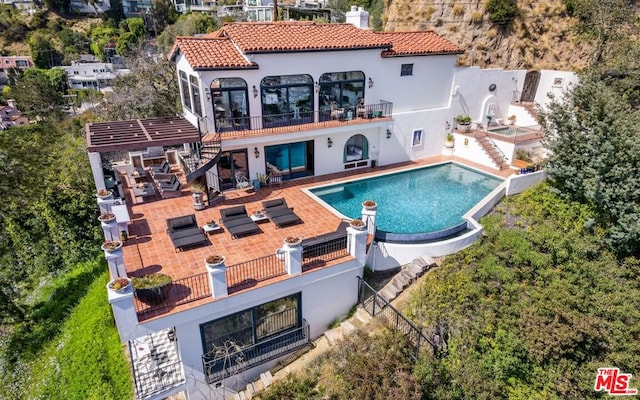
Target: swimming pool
419,200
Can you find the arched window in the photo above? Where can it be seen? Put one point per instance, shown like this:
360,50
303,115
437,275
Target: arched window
340,90
230,103
356,148
287,100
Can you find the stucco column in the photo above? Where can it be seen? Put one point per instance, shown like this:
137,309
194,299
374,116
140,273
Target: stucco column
293,259
357,244
95,160
217,279
369,217
124,313
111,230
115,261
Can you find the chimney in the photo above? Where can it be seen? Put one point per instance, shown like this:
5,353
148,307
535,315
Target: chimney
358,17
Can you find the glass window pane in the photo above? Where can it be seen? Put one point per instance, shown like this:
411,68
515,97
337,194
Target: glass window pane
184,87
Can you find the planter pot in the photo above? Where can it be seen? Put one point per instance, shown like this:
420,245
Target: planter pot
104,195
369,205
378,114
154,295
111,249
122,289
214,264
464,127
359,227
448,145
106,219
292,243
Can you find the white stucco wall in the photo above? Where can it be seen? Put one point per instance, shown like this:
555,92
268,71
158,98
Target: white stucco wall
555,83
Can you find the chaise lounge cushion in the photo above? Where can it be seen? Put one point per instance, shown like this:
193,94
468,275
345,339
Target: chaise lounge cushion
279,212
184,231
237,222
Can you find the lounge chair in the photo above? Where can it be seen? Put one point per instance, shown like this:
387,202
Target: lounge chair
163,168
280,213
237,222
169,188
184,231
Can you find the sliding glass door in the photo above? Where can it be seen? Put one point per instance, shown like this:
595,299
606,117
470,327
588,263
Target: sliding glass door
293,160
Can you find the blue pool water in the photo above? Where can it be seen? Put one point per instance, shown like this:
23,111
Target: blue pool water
420,200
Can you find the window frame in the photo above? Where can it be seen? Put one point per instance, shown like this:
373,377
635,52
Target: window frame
406,69
196,102
184,90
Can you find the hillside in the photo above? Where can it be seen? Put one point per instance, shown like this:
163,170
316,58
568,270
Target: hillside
540,38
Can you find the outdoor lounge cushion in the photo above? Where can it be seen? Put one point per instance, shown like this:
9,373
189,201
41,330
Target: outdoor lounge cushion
184,231
279,212
237,222
318,245
163,168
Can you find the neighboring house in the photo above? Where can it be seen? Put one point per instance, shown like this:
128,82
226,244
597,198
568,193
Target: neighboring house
91,75
98,7
134,8
11,116
8,63
206,6
28,7
292,100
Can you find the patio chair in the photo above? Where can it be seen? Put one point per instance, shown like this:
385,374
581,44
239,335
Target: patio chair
275,178
169,188
237,221
242,182
280,213
163,168
184,231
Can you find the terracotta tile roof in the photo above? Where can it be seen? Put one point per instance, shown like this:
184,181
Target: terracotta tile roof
225,48
206,52
266,37
417,43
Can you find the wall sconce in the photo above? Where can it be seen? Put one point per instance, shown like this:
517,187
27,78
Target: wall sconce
316,87
255,91
256,152
208,93
370,83
329,142
388,134
447,126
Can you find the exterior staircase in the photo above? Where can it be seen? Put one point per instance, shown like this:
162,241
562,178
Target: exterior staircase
408,274
496,155
204,157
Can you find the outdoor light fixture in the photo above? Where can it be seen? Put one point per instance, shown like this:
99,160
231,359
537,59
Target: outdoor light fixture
256,152
388,134
370,83
447,126
255,91
329,142
316,87
208,93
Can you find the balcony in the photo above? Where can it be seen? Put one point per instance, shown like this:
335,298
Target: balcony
222,364
246,126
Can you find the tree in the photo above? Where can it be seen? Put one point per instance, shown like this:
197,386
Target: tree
164,14
102,36
150,90
186,25
43,52
39,92
592,137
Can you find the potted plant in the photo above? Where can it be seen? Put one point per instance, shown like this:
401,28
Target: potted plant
214,260
211,224
450,141
357,224
197,193
111,245
369,204
512,119
152,288
262,178
119,285
292,241
464,122
106,217
104,194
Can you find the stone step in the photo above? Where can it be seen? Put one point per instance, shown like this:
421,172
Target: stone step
347,327
266,378
388,293
333,335
250,390
362,316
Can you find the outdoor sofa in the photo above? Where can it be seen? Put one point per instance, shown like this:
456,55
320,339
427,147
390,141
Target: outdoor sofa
184,231
322,244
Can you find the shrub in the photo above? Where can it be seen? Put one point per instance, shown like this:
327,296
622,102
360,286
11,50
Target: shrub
502,12
457,10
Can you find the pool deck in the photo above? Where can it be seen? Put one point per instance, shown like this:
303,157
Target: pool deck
149,248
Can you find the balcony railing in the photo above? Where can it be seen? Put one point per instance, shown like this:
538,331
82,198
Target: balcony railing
249,273
240,126
182,291
317,255
234,362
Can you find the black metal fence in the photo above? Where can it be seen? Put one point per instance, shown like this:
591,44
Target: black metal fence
275,122
317,255
249,273
218,367
378,307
